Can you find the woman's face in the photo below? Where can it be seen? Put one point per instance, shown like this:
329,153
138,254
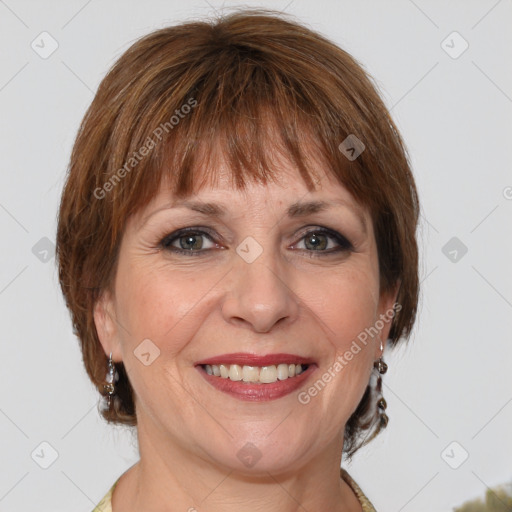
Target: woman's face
265,273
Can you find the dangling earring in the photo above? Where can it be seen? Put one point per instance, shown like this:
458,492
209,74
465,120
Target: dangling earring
382,368
111,378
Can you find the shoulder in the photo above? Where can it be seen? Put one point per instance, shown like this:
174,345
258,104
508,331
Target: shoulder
105,505
365,502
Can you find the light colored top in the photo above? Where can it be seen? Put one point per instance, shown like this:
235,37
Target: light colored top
105,505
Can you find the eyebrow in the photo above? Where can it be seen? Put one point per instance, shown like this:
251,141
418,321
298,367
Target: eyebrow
295,210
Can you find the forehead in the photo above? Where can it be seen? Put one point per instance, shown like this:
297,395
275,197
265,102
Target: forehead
285,185
217,194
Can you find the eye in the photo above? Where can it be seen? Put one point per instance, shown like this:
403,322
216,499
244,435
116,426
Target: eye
194,242
189,241
322,239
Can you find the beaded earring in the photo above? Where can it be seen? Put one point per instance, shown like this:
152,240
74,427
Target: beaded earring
382,368
111,378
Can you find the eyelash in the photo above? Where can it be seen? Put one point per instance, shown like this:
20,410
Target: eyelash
165,243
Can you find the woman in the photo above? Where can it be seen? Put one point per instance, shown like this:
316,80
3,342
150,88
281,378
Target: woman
236,245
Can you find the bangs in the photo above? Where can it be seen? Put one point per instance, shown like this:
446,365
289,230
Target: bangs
247,113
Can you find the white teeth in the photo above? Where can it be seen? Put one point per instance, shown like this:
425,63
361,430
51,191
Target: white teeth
235,372
282,371
268,374
250,373
260,374
224,371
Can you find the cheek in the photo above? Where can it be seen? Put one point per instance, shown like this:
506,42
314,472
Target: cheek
157,304
348,312
161,306
347,304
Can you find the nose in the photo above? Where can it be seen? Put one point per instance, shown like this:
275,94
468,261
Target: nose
259,295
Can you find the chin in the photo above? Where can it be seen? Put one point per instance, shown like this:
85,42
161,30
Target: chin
259,455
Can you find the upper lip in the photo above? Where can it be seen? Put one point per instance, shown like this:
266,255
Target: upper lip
247,359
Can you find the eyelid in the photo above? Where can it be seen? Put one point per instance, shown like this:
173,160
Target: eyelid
175,235
316,227
341,239
343,243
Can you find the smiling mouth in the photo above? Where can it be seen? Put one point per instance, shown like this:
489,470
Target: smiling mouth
255,374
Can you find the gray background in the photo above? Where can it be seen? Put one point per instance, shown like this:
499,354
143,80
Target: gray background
453,381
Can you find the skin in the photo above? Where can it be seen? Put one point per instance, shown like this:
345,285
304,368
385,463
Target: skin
293,298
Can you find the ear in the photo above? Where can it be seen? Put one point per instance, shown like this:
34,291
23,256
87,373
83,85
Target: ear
386,310
106,325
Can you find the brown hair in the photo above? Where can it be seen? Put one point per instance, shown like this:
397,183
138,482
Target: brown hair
180,94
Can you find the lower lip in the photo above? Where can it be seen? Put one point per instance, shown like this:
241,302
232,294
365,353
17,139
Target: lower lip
251,392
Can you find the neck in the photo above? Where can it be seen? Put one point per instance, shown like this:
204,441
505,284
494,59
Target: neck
168,475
